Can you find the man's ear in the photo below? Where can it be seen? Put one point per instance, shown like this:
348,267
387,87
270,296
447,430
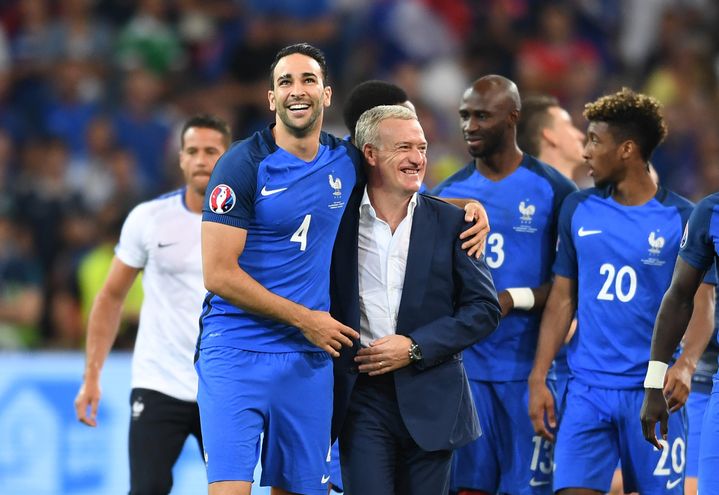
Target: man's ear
370,154
549,136
271,99
627,149
327,96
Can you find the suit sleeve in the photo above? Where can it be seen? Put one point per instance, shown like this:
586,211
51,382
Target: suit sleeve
476,314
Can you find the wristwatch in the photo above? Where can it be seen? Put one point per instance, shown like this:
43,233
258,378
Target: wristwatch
415,354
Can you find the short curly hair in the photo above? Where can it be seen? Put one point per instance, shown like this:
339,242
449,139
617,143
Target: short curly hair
631,116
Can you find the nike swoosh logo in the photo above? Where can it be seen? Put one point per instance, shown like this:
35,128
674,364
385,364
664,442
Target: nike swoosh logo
672,484
583,233
325,479
268,192
534,482
165,244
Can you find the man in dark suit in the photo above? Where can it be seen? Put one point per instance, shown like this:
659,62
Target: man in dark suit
400,277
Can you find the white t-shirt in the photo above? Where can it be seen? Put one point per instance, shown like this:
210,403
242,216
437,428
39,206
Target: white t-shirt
162,237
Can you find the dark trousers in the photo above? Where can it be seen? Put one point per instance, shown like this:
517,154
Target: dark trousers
159,426
377,453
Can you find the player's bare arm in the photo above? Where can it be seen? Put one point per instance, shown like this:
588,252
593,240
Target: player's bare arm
221,247
556,320
102,327
699,332
672,320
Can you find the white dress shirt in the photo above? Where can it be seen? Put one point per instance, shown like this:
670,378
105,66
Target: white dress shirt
382,259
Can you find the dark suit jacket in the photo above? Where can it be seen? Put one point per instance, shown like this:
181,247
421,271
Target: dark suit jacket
448,303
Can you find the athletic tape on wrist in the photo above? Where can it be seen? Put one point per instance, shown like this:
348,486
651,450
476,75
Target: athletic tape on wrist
523,297
655,375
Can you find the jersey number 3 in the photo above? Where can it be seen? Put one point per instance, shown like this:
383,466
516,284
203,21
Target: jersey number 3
300,234
495,257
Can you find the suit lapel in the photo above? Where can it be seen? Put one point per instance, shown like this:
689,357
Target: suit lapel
419,257
346,259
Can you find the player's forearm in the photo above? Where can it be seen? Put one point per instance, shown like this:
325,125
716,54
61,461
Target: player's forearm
239,289
556,321
102,327
700,328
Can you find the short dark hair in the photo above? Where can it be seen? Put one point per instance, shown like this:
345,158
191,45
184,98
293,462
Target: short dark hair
534,117
303,49
207,121
630,116
370,94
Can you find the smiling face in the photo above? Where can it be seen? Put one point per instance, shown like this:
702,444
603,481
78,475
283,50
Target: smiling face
299,96
485,118
602,154
397,163
201,149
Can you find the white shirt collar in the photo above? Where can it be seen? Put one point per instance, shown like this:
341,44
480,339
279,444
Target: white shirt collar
366,207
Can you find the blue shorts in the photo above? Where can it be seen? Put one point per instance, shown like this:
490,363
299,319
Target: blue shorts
599,427
336,469
709,446
695,407
286,396
508,457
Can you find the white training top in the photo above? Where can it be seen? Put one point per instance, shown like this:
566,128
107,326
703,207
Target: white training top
162,237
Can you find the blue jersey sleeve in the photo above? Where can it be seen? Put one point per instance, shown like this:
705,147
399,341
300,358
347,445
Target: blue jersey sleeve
565,263
697,246
231,192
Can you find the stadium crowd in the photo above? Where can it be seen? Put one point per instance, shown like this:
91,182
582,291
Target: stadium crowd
93,92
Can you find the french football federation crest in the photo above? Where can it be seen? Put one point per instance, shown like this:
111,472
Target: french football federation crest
222,199
527,210
656,243
336,184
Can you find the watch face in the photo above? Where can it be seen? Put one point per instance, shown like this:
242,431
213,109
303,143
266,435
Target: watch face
415,353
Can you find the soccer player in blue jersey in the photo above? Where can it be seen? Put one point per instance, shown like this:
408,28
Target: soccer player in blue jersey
617,245
698,253
522,197
271,215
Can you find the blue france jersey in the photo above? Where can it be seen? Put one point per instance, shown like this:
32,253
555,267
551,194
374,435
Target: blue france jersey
622,258
291,210
700,245
523,209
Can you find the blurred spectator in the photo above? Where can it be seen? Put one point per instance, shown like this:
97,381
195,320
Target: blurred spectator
142,127
20,285
557,61
149,41
70,109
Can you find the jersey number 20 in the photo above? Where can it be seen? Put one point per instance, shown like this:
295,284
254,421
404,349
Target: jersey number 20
621,283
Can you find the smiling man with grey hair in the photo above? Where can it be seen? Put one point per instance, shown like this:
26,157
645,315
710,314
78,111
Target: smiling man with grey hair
399,277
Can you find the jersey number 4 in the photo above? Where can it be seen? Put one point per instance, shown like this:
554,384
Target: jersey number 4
621,283
300,234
